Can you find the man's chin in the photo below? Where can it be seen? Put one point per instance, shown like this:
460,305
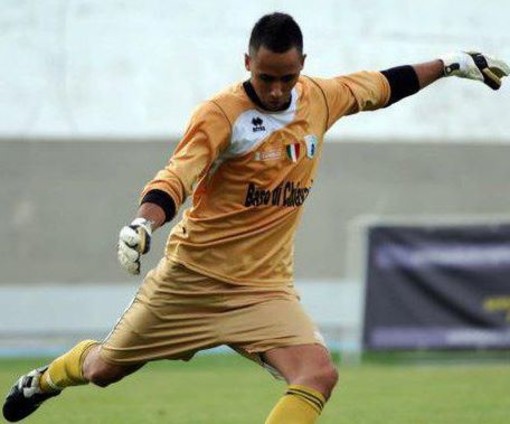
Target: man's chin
274,107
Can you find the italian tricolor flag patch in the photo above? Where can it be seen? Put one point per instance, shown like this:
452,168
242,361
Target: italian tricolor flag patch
293,151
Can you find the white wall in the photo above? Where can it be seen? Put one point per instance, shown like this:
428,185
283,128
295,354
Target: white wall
133,69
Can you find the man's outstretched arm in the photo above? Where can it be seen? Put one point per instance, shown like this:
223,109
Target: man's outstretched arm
407,80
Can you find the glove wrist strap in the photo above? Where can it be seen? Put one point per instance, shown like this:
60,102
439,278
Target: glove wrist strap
144,223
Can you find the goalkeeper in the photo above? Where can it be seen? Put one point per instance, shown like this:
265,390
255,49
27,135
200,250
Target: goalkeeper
248,159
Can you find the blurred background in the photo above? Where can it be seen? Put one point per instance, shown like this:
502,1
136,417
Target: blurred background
95,94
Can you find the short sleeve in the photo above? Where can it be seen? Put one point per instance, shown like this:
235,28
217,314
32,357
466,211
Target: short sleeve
353,93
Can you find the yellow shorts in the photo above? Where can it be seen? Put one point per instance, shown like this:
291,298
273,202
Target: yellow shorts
178,312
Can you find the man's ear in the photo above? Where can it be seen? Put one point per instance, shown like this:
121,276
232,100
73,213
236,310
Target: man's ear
247,62
303,61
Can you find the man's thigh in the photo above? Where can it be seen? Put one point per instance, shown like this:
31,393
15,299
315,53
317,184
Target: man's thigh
270,325
170,318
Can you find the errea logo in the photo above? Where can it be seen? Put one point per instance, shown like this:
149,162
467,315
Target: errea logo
258,124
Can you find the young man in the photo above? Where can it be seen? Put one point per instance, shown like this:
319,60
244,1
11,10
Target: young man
248,158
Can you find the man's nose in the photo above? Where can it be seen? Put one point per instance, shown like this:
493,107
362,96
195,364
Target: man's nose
276,90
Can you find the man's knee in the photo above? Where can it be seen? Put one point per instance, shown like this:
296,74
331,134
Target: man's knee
328,376
308,365
101,373
323,374
323,378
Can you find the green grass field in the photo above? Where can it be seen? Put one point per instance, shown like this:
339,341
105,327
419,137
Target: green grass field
226,389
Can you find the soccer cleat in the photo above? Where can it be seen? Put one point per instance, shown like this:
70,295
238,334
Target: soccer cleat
25,396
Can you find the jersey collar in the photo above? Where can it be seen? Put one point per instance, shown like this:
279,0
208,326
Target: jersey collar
250,92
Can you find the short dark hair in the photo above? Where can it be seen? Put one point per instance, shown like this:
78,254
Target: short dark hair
277,32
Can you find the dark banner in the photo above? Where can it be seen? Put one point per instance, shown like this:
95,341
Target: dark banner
442,287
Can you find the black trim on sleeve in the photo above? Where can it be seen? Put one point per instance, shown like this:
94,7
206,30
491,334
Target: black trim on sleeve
403,82
163,200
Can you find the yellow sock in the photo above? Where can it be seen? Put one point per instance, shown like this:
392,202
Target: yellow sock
299,405
66,370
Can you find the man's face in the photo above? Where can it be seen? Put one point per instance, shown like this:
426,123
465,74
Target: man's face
274,75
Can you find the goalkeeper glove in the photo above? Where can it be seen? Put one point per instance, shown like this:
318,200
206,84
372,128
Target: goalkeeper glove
134,241
476,66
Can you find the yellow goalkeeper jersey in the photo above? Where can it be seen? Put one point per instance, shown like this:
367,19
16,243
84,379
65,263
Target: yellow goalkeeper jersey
250,171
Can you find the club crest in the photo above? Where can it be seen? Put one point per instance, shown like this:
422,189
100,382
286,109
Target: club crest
311,145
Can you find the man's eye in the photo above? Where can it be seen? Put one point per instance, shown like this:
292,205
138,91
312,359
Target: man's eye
266,78
288,78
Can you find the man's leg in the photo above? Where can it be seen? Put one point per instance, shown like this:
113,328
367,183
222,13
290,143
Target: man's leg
311,377
149,329
81,365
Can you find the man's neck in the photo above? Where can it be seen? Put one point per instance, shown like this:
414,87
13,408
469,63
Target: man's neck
250,92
